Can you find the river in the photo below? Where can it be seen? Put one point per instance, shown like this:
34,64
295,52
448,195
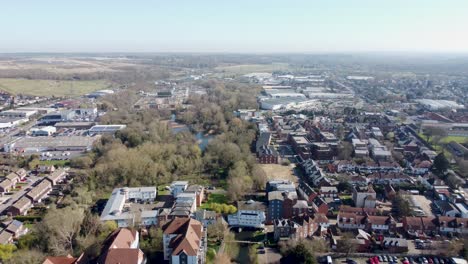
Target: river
202,138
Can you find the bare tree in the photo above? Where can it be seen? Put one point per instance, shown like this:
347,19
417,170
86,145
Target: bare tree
61,228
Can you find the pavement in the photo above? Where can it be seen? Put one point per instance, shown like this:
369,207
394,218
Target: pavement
271,255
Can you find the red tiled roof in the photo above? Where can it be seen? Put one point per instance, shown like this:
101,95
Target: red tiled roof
123,256
60,260
189,233
122,238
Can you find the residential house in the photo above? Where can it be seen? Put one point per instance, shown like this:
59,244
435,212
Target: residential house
121,247
199,192
6,238
65,260
299,227
5,186
420,226
45,168
184,241
249,214
306,192
275,206
454,225
386,177
370,223
463,208
22,173
320,206
37,193
178,187
205,217
300,145
358,180
263,140
364,197
358,210
149,218
312,172
300,208
20,207
16,228
446,208
323,150
287,229
56,176
328,191
267,155
344,166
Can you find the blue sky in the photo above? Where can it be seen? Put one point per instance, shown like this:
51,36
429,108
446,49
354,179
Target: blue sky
233,26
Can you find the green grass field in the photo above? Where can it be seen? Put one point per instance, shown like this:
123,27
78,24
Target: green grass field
214,198
51,87
458,139
56,163
445,140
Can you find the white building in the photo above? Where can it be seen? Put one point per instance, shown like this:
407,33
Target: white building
43,131
364,197
178,187
105,129
247,218
118,207
9,122
18,113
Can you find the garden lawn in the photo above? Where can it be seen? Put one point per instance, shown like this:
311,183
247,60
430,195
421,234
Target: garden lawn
214,198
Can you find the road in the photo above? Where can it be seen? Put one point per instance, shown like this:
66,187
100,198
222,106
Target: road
271,256
9,136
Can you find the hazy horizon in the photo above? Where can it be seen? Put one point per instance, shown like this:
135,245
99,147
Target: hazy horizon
241,27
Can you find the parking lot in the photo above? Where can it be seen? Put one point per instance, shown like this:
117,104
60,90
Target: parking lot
391,259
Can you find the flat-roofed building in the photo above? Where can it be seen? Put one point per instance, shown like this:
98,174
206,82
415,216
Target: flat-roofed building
114,209
40,144
18,113
178,187
75,125
53,118
105,129
9,122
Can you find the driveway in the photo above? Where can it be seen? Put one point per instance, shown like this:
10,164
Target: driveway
271,255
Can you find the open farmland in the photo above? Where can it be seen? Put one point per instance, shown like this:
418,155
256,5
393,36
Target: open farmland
51,87
249,68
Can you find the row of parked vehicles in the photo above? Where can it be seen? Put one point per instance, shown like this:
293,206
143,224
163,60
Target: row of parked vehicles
409,260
